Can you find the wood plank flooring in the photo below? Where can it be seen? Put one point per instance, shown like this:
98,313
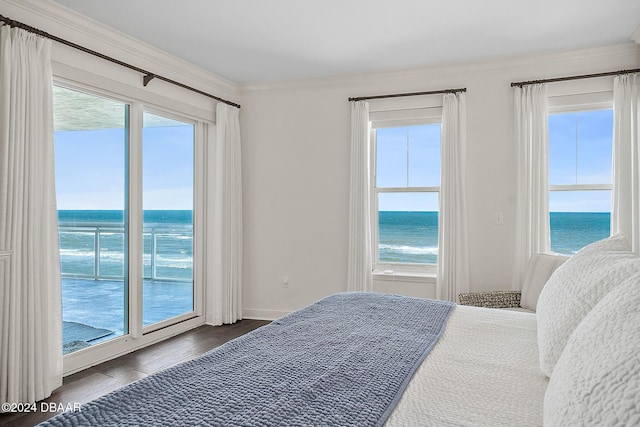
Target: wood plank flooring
99,380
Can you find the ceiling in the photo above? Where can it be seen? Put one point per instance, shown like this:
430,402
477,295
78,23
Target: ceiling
253,41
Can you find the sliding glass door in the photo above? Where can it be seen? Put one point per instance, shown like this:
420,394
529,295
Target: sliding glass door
91,142
167,200
125,180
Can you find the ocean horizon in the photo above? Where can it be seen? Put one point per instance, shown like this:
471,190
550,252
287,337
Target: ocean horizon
404,237
117,216
412,237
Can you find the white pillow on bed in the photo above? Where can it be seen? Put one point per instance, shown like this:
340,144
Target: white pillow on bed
539,269
575,288
597,378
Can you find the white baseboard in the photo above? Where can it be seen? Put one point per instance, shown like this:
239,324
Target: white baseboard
259,314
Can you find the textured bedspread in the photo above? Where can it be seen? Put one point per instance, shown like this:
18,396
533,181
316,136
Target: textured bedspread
344,360
484,371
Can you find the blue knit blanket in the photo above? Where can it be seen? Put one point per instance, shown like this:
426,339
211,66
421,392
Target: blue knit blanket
342,361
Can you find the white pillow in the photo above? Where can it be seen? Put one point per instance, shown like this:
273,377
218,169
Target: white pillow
575,288
597,378
539,269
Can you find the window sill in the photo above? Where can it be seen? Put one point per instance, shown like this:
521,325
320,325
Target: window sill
404,276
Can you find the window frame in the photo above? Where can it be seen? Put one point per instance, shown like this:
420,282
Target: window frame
578,103
198,200
388,119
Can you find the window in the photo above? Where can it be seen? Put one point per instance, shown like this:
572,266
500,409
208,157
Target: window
125,181
406,184
580,150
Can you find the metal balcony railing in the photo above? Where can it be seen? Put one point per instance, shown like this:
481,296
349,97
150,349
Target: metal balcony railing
152,233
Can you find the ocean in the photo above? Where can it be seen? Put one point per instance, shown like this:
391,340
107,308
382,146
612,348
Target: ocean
572,231
167,239
404,237
412,237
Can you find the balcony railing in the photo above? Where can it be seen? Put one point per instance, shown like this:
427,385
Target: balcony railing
168,251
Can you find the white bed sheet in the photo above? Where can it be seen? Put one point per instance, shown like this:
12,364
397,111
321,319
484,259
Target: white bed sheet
484,371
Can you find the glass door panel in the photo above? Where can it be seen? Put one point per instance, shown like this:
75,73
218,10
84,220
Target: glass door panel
91,140
167,199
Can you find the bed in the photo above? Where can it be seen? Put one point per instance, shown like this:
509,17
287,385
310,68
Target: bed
357,359
483,371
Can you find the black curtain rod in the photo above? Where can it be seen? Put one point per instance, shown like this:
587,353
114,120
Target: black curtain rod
148,76
398,95
584,76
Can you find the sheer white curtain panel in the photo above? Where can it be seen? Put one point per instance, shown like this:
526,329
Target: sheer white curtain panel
30,294
453,244
359,275
532,209
224,272
625,213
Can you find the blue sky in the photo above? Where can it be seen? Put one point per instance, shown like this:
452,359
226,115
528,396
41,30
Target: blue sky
90,165
580,153
90,168
587,162
421,167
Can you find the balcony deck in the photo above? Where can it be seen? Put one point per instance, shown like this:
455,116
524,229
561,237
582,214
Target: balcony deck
101,303
93,260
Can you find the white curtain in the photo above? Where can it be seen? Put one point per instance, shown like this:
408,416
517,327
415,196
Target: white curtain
30,295
532,210
453,259
225,268
625,215
359,276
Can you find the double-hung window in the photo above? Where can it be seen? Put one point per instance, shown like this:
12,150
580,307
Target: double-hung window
405,190
580,163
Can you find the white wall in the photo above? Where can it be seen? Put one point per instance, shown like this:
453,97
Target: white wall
296,172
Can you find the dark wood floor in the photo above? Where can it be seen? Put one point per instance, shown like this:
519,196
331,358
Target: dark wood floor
99,380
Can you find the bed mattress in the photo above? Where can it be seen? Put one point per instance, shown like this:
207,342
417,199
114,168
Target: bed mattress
484,371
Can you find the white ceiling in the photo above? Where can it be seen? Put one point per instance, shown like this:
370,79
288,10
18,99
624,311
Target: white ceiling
252,41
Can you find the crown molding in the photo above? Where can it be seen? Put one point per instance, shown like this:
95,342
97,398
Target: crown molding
523,65
66,23
70,25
